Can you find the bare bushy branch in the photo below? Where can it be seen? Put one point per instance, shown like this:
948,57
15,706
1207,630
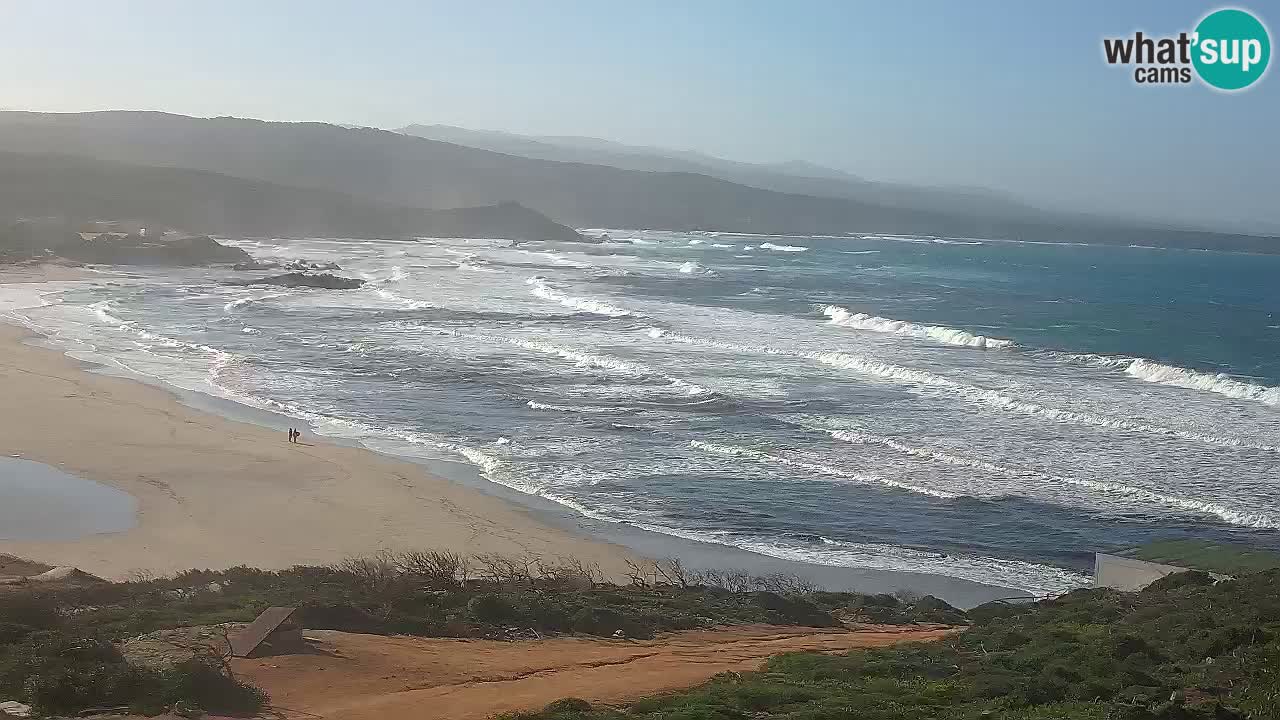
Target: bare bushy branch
436,569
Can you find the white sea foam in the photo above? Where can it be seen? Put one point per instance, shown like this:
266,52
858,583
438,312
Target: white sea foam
782,248
691,267
542,289
938,333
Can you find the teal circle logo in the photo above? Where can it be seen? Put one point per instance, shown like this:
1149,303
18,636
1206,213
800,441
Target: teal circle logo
1232,49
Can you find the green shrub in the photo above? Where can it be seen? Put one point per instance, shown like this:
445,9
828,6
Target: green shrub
490,608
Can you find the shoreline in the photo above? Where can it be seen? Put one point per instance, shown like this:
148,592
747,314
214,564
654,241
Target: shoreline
255,499
213,492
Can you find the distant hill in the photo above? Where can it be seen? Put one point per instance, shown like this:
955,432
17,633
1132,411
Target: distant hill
408,172
790,177
82,189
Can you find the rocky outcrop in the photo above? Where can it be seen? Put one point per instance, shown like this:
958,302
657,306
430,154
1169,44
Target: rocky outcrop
507,221
49,240
138,250
297,279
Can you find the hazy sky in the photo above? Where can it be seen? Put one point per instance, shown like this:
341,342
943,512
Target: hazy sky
1006,95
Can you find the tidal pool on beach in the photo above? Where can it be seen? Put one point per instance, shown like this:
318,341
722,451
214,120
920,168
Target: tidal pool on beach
39,503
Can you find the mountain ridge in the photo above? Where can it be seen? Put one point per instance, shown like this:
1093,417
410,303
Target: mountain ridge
85,189
390,168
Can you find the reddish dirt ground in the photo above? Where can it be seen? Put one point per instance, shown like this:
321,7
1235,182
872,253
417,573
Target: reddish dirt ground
367,677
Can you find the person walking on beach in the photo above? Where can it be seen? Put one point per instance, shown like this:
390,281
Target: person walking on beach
291,434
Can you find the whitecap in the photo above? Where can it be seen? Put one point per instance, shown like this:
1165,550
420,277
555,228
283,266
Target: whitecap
938,333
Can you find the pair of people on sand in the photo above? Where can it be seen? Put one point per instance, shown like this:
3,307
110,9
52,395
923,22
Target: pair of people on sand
294,435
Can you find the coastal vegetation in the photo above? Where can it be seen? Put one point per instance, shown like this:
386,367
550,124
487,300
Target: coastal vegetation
1184,648
61,645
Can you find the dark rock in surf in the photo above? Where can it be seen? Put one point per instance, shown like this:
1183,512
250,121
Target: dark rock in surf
297,279
295,266
55,239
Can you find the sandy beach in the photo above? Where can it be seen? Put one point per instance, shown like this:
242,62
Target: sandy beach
214,493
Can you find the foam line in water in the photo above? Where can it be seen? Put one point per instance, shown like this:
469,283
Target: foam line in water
783,248
938,333
1233,516
737,451
586,359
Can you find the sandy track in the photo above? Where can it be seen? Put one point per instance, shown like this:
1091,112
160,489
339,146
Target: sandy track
368,677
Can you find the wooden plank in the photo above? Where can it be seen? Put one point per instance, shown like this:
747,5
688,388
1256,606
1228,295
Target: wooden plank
246,641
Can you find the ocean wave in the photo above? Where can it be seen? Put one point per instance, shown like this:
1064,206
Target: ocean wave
1032,578
938,333
244,302
819,468
103,311
928,384
541,289
782,248
1225,385
1230,515
1180,377
923,239
587,360
586,409
691,267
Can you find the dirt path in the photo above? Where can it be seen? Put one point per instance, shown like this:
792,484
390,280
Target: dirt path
368,677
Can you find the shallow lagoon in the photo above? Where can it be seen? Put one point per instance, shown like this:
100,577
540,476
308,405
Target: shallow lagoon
39,503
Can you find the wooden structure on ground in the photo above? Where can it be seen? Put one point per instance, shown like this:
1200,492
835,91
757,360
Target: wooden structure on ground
274,632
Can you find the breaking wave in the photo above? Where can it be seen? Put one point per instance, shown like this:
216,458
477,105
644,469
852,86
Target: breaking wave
938,333
540,288
244,302
1174,376
782,248
1151,371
